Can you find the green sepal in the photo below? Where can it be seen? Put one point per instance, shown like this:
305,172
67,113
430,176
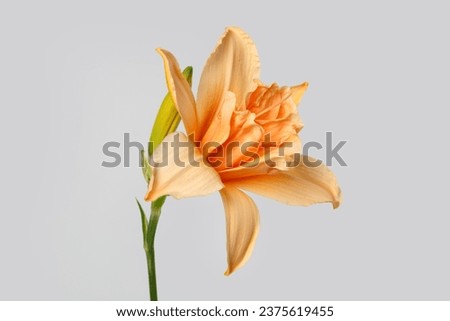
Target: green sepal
144,223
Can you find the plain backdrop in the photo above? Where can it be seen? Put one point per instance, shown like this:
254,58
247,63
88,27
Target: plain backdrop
77,74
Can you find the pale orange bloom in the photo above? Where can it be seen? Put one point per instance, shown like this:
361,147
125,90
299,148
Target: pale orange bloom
233,106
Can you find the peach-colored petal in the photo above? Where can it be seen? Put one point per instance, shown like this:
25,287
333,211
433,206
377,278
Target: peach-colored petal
219,127
180,91
273,159
180,171
298,91
243,130
242,220
282,128
233,66
306,184
275,111
265,100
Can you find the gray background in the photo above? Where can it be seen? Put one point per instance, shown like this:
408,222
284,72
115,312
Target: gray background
75,75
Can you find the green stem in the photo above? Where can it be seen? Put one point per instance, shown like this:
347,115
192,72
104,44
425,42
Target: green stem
149,246
150,253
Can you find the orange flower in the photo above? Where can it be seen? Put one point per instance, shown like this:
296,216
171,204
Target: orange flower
234,108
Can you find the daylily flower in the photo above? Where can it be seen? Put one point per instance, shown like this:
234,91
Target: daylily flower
233,105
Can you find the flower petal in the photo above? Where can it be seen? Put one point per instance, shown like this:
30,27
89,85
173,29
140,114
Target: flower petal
242,219
233,66
306,184
281,129
180,91
243,130
178,170
298,91
267,162
219,128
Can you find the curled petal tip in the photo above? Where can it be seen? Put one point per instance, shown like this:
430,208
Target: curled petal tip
338,200
298,91
234,28
148,197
